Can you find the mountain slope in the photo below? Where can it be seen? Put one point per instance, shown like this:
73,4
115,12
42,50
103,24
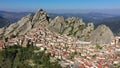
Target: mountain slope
26,23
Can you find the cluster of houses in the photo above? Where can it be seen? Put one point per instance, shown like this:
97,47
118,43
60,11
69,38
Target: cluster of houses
71,51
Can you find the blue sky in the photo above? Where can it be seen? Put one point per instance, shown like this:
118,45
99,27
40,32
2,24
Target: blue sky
22,5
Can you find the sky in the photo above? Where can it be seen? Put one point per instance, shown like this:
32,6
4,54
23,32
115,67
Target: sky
32,5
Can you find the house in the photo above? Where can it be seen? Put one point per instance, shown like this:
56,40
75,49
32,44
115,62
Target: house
115,41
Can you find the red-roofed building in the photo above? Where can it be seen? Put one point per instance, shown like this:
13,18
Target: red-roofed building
86,63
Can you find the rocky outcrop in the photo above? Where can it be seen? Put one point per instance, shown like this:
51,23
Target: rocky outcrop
21,27
57,24
40,16
71,26
102,35
26,23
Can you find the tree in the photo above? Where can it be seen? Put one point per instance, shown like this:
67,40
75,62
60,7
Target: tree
98,47
19,57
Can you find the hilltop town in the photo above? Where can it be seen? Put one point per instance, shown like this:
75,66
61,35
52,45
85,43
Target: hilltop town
75,44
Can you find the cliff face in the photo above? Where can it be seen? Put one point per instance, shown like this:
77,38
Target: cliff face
72,26
25,24
102,35
21,27
57,24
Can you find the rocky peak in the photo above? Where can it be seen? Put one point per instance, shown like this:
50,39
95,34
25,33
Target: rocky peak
25,19
72,26
40,16
102,35
59,19
103,27
27,23
75,20
30,16
21,27
57,24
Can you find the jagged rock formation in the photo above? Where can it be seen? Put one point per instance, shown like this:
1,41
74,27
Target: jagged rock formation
21,27
25,24
71,26
39,17
102,35
57,24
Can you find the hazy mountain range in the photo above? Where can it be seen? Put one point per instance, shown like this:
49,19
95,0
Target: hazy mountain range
87,17
113,23
97,18
13,16
4,21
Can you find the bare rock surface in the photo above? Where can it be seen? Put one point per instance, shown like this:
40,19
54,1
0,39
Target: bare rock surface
102,35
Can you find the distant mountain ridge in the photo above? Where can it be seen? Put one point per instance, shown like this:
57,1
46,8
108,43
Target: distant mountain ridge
4,22
113,23
13,16
87,17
